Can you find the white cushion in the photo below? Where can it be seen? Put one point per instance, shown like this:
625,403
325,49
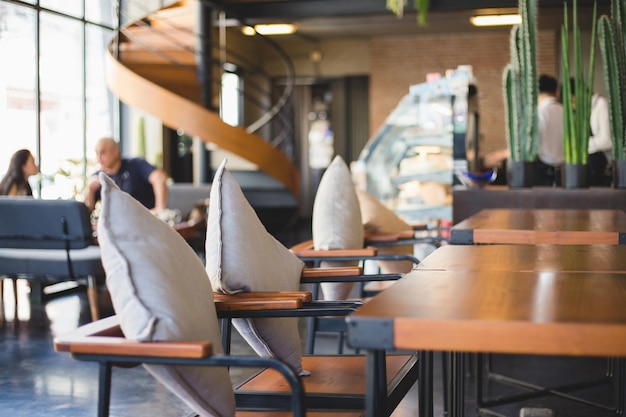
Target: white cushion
377,218
242,256
337,220
161,292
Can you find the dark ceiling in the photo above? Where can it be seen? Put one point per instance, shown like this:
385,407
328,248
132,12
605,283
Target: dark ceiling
361,18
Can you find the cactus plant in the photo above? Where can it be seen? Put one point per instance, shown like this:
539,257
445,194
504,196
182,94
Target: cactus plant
611,35
520,86
576,121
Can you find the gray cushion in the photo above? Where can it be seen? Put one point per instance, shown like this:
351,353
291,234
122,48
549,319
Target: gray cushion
242,256
51,262
337,220
377,218
161,292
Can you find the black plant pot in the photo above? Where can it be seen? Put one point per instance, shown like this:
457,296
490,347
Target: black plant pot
575,176
619,174
521,174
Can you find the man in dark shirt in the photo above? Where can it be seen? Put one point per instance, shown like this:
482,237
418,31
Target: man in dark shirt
145,182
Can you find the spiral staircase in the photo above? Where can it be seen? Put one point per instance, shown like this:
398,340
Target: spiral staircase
151,64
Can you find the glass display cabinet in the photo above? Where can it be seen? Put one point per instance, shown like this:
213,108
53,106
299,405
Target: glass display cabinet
409,164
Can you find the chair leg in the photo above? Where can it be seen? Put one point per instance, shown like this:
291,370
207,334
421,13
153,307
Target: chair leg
104,389
92,297
2,314
15,298
310,347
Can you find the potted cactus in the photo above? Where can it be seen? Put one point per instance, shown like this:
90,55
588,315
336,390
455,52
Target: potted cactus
611,33
576,118
520,97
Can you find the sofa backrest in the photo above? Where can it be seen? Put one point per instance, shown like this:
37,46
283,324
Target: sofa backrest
29,223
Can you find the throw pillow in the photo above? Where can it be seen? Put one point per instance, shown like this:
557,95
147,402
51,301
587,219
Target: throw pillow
161,292
242,256
377,218
337,221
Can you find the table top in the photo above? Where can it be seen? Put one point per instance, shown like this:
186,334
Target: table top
570,258
556,226
561,313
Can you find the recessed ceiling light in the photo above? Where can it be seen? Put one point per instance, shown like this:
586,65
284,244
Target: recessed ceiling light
271,29
496,20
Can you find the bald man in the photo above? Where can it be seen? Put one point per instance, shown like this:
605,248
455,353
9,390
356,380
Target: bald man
145,182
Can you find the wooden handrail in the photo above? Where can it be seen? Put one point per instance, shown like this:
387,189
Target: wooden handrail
178,112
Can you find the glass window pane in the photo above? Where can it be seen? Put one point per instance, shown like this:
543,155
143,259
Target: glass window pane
100,11
18,116
100,102
70,7
62,133
230,99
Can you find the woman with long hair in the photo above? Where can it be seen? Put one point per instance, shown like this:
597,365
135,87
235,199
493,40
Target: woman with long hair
15,181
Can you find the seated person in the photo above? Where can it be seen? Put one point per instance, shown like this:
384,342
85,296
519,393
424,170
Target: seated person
145,182
15,180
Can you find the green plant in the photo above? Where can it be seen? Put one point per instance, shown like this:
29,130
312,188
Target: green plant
611,35
520,86
576,118
421,6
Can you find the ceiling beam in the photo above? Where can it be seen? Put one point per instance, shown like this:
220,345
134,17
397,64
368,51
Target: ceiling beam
302,9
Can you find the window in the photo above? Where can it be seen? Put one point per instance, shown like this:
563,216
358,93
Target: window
230,106
18,79
61,111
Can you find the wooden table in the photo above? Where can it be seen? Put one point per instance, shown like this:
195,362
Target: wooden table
574,227
550,313
571,258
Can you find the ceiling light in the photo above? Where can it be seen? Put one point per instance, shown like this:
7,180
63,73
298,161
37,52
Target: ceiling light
273,29
496,20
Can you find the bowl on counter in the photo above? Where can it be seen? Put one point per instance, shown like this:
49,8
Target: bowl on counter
477,179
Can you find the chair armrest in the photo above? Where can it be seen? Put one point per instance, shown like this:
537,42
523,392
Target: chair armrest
303,296
336,253
341,271
389,237
419,226
258,301
306,245
305,250
104,337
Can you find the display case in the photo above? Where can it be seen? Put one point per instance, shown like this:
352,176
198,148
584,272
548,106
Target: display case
409,164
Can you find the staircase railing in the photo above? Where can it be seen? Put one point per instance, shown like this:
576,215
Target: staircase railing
167,35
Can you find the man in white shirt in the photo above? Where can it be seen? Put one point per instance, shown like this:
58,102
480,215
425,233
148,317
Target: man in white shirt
551,155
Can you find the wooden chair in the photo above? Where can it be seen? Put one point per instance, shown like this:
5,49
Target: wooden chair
336,382
314,258
103,342
49,241
163,294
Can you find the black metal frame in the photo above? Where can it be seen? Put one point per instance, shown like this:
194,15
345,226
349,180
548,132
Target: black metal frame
106,363
393,392
329,324
614,375
387,395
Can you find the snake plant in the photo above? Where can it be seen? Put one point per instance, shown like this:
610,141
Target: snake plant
576,120
611,35
520,86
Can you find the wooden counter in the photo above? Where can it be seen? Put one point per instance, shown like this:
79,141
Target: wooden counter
468,202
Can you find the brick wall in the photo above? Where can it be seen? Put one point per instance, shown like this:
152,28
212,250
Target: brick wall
399,62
